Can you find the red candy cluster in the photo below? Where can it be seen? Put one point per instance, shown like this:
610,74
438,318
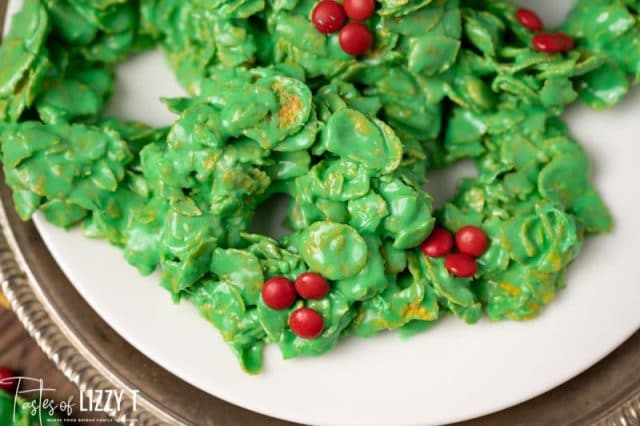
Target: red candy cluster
355,38
280,293
543,42
470,241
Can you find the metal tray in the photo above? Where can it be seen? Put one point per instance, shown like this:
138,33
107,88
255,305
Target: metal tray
94,357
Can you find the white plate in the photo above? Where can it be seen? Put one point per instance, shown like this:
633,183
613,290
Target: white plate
450,373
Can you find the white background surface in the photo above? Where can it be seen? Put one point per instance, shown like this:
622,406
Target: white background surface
450,373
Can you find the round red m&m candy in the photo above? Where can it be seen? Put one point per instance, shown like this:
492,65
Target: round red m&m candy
306,323
328,16
471,240
529,19
310,285
461,265
355,38
359,10
552,42
278,293
438,244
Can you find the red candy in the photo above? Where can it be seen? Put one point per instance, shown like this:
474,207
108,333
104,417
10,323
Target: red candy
306,323
278,293
552,42
461,265
438,244
471,240
359,10
529,19
310,285
355,38
328,16
5,383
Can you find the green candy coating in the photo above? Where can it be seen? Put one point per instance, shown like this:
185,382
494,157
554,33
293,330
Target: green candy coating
333,250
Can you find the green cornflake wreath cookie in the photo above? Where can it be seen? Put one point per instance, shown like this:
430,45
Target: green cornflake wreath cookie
277,107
